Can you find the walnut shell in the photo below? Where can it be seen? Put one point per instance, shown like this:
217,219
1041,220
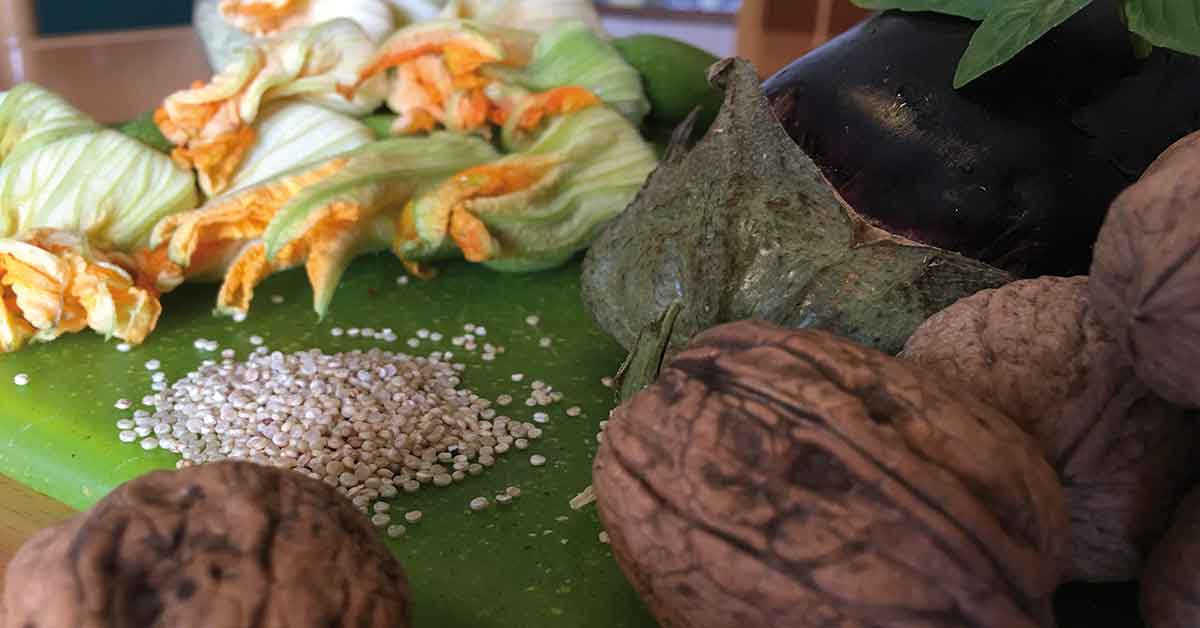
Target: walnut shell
221,545
1034,350
1170,587
1146,269
774,477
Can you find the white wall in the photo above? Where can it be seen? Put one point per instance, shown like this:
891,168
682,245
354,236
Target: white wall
717,38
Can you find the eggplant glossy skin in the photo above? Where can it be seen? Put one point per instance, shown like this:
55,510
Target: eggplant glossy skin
1018,168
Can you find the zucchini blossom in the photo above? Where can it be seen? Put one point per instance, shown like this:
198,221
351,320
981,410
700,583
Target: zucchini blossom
77,203
319,215
211,124
535,15
572,165
562,110
455,74
264,18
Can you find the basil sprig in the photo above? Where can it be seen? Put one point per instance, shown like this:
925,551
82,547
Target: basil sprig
1008,26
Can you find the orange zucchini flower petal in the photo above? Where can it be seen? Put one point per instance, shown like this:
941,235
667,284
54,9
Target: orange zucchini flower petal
319,216
556,102
261,17
466,48
449,210
576,169
52,282
210,123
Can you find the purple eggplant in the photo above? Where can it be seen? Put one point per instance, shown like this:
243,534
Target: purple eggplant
1018,168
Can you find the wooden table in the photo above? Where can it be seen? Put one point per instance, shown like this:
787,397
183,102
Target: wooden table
772,33
22,513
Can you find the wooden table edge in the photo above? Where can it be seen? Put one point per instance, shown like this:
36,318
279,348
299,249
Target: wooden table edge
24,511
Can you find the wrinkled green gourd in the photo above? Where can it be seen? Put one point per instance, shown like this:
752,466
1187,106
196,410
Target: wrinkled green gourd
743,225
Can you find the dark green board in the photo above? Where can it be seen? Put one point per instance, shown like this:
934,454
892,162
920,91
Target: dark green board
534,562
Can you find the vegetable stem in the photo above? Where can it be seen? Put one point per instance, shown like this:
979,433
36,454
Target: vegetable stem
1141,46
645,360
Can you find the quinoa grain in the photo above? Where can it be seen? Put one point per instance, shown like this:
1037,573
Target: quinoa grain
369,422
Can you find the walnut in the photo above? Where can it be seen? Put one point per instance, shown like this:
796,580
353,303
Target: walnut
222,545
1034,350
1145,271
775,477
1170,587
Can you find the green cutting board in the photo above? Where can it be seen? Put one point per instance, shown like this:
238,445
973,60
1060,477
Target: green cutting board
531,563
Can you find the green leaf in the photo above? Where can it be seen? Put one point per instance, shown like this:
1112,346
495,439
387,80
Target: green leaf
380,124
1007,30
144,130
1173,24
532,563
970,9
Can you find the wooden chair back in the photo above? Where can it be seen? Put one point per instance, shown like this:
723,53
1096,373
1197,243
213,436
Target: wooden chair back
773,33
112,75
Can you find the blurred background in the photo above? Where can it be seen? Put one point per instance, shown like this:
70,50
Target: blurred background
115,59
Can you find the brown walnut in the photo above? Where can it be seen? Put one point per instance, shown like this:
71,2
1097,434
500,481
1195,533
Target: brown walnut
221,545
1170,586
1034,350
775,477
1146,270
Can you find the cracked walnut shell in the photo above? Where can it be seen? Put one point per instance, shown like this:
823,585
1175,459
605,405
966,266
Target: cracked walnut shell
1145,271
1170,585
220,545
774,477
1035,350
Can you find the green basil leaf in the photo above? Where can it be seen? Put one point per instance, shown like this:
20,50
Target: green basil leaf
1008,28
971,9
1173,24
